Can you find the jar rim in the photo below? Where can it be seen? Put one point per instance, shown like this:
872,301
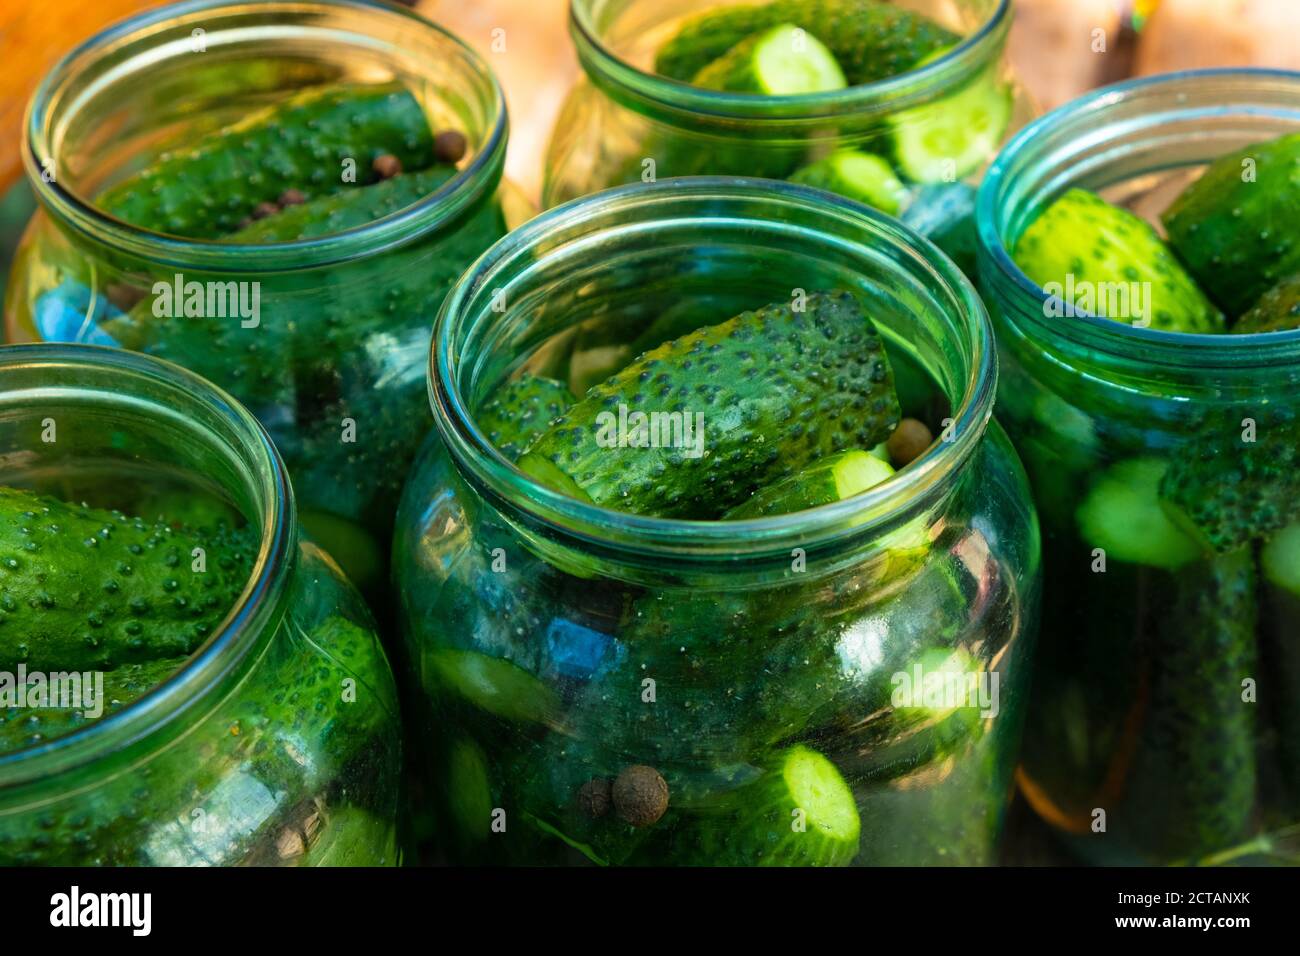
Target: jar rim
1176,349
865,513
463,191
249,622
662,94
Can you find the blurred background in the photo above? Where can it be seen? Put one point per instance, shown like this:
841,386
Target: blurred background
1060,48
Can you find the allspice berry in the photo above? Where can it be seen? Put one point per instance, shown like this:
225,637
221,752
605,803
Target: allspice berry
594,798
908,441
640,795
449,146
291,197
386,166
264,209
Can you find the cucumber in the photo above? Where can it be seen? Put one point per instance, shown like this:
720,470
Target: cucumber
1237,233
1192,788
1278,309
856,175
831,479
353,837
869,40
86,589
951,138
799,386
1123,516
1280,559
206,190
355,205
522,411
1227,492
493,684
183,510
28,726
1082,242
782,61
681,318
470,791
800,812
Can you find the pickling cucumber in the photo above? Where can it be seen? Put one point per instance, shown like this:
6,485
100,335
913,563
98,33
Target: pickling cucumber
856,175
1280,559
1107,255
951,138
1235,228
782,61
492,684
207,189
83,588
870,40
799,385
800,812
1226,491
1278,309
1193,782
1123,516
522,410
831,479
355,205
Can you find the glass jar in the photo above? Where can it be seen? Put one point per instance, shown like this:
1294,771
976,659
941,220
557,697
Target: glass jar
332,361
558,642
1162,723
277,741
624,123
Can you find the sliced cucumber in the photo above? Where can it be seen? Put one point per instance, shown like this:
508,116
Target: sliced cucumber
831,479
1123,516
1105,261
494,685
1280,559
856,175
783,61
950,139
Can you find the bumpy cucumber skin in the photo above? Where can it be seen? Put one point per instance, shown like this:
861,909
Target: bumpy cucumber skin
736,70
1081,234
1278,310
797,386
207,190
27,727
355,205
522,412
870,40
1228,491
1237,237
83,588
1193,786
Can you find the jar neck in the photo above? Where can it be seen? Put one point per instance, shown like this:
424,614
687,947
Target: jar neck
596,24
159,409
543,272
1130,133
339,37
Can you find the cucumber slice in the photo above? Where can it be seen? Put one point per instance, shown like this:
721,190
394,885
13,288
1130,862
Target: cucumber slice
856,175
831,479
783,61
494,685
1099,256
1123,516
1280,559
950,139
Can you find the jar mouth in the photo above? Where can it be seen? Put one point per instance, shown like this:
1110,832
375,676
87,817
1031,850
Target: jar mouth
400,38
1110,135
149,385
683,103
714,209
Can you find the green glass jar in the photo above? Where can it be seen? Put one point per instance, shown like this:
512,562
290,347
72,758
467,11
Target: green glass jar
1163,726
929,131
277,742
562,646
323,337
